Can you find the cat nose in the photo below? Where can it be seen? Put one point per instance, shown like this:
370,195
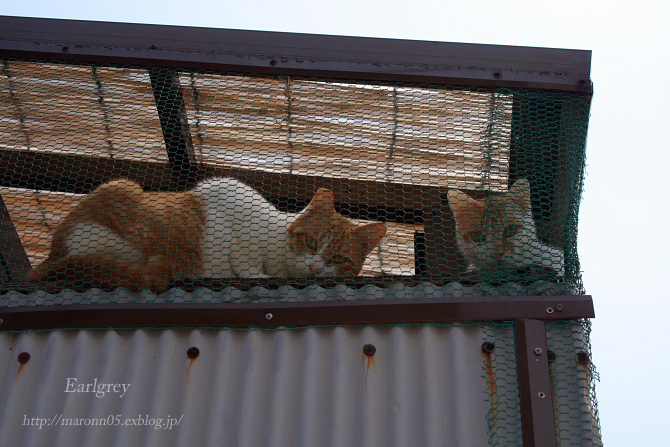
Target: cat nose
315,269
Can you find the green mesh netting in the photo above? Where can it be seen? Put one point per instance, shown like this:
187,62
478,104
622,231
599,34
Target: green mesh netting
151,179
572,379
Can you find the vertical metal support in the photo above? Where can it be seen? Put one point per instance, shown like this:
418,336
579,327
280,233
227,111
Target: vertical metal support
172,115
14,262
537,411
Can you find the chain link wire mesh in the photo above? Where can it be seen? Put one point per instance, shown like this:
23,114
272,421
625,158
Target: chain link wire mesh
114,170
572,377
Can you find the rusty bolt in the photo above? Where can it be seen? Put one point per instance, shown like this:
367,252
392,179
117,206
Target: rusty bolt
551,355
369,349
583,357
497,75
559,307
273,62
488,347
193,353
23,358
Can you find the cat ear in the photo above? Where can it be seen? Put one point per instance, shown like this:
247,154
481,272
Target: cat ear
369,236
519,193
322,202
463,206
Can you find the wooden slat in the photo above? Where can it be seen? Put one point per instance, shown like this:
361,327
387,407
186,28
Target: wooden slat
348,130
354,126
80,109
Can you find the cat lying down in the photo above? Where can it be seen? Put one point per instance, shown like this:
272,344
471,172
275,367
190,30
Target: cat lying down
122,236
500,232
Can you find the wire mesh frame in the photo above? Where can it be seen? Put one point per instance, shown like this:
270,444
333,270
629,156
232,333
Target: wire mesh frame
290,55
430,249
185,170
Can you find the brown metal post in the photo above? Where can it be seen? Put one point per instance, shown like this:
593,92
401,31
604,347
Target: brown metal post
537,412
14,262
172,114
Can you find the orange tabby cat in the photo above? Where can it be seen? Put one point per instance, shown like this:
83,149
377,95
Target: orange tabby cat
122,236
500,231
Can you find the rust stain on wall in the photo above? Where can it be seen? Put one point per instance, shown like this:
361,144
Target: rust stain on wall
23,360
192,353
491,380
368,355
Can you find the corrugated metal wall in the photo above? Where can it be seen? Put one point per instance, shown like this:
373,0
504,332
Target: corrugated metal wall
423,386
287,294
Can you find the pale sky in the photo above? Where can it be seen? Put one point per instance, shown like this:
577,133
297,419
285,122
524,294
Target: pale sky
623,240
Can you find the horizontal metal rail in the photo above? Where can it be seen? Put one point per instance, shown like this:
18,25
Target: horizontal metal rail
269,315
277,53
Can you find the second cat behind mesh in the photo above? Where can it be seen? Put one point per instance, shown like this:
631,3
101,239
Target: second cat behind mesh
123,236
499,232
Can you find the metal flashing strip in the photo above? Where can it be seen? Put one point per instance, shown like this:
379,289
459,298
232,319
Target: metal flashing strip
291,314
278,53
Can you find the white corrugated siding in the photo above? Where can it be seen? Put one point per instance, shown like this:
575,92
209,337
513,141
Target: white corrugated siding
424,386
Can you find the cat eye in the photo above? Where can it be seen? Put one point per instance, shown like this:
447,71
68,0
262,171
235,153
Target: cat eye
338,259
310,242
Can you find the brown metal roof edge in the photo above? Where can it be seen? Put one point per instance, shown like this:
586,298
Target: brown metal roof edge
274,315
280,53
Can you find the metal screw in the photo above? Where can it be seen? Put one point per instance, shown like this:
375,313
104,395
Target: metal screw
1,321
153,46
66,49
488,347
538,351
23,358
269,316
541,395
559,307
369,349
193,353
273,62
550,310
497,75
